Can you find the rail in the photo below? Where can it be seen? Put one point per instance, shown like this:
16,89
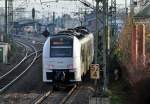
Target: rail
52,93
6,80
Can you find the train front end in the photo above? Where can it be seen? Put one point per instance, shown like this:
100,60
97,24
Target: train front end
58,60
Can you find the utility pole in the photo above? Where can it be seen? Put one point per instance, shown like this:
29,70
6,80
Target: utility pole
53,22
113,23
9,18
96,40
97,33
105,37
131,7
33,17
105,43
126,8
6,21
80,16
85,12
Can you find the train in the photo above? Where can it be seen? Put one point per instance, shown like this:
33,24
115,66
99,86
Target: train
67,55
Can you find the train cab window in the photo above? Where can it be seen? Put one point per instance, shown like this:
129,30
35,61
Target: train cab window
65,51
61,47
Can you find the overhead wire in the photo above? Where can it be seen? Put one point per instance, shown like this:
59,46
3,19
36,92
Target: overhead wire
44,6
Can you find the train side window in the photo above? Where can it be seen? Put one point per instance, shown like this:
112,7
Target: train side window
82,54
89,48
81,58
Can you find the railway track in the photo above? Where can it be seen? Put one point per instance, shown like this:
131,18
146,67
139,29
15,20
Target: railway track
54,97
16,72
20,60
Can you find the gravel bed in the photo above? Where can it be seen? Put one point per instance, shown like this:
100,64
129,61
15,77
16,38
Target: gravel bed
31,81
17,98
83,96
27,88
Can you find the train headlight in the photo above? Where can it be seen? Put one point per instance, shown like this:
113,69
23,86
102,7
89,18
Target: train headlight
50,70
50,66
72,70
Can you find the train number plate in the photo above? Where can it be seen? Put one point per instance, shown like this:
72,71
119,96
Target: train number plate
94,71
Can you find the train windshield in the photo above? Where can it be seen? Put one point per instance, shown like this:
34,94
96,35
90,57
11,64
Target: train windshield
61,47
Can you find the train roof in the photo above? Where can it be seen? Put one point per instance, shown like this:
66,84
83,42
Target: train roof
79,32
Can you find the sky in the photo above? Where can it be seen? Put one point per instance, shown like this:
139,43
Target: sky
60,7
